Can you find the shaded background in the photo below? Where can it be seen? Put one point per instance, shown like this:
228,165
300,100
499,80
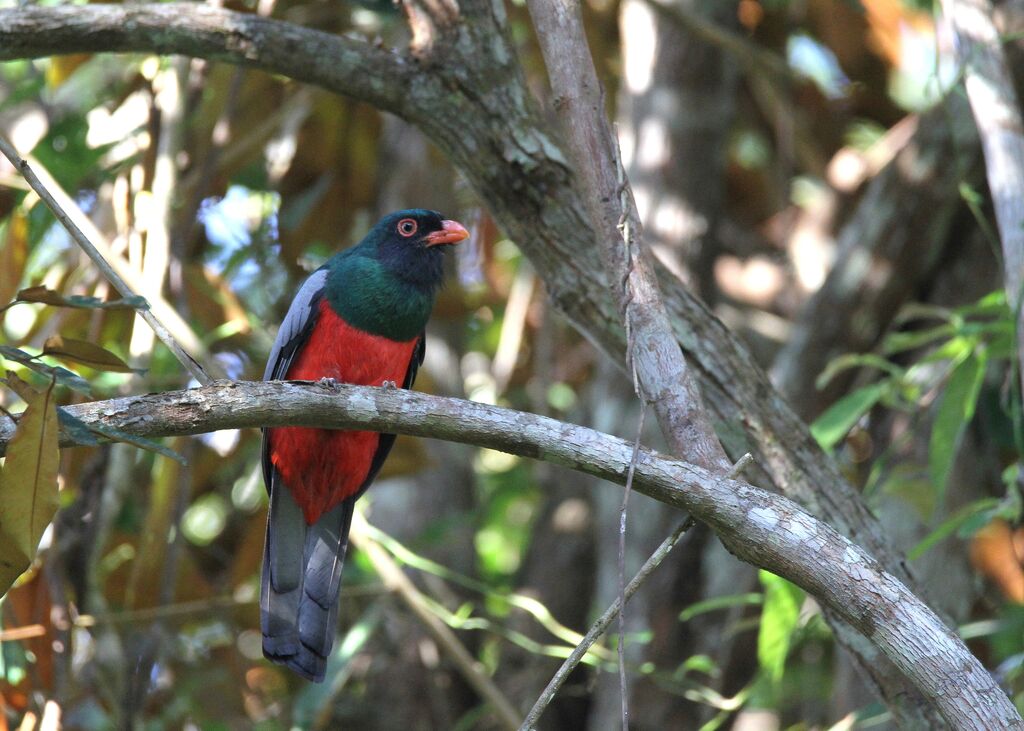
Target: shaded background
809,167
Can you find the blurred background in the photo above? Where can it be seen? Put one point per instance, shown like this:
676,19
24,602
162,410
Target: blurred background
808,166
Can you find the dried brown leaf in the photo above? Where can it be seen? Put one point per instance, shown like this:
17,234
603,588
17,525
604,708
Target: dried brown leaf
86,353
28,484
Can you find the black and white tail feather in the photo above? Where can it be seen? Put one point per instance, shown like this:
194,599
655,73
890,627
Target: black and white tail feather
302,563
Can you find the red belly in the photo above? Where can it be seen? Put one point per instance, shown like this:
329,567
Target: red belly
322,467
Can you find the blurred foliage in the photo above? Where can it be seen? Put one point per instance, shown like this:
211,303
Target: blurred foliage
140,607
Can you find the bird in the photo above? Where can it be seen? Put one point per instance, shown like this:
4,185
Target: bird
359,319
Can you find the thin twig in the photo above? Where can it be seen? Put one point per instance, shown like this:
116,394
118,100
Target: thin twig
602,624
396,580
190,364
623,688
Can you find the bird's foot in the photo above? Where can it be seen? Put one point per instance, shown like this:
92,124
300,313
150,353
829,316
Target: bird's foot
388,384
329,382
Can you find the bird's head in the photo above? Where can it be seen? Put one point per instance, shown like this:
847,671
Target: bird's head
410,243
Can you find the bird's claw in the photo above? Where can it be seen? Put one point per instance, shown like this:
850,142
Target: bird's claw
388,384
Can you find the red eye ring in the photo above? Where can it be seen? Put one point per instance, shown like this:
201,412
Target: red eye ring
407,227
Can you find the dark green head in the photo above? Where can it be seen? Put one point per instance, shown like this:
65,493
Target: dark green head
386,283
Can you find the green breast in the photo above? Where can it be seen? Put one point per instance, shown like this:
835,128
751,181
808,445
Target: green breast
372,299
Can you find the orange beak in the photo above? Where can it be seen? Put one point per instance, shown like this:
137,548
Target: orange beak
452,232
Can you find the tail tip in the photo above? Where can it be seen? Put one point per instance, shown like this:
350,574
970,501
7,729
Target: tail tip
296,657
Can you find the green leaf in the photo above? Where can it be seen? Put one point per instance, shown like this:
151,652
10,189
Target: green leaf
955,350
86,353
62,376
717,603
116,435
992,304
28,485
921,311
856,360
779,619
47,296
955,412
830,428
951,524
898,342
77,429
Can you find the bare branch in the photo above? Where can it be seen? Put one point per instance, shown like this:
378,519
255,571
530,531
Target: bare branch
343,65
654,356
601,625
476,107
761,528
997,113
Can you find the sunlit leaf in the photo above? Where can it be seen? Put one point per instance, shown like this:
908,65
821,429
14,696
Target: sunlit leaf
47,296
86,353
994,304
699,664
28,485
830,428
719,602
955,411
778,621
62,376
13,253
952,523
205,519
898,342
856,360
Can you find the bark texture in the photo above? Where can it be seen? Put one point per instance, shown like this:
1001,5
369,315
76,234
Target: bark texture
467,93
761,528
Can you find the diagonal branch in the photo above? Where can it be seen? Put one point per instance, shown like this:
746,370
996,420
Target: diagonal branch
340,64
654,357
190,364
475,105
473,102
761,528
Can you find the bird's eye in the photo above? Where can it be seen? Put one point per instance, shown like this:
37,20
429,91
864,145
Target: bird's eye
407,227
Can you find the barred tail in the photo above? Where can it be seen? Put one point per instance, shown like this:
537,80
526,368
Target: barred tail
301,581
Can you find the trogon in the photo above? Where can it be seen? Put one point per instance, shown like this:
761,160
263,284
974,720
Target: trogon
358,319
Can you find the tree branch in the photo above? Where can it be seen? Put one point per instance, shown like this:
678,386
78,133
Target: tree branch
340,64
473,102
477,108
997,113
653,356
110,272
759,527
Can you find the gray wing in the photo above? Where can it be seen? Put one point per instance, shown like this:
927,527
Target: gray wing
294,332
297,325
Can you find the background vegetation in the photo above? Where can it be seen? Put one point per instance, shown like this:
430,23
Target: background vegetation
809,167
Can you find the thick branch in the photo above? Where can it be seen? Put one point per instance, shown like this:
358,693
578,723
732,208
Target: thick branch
762,528
653,353
343,65
475,105
997,113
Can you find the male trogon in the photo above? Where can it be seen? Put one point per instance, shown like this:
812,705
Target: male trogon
358,319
